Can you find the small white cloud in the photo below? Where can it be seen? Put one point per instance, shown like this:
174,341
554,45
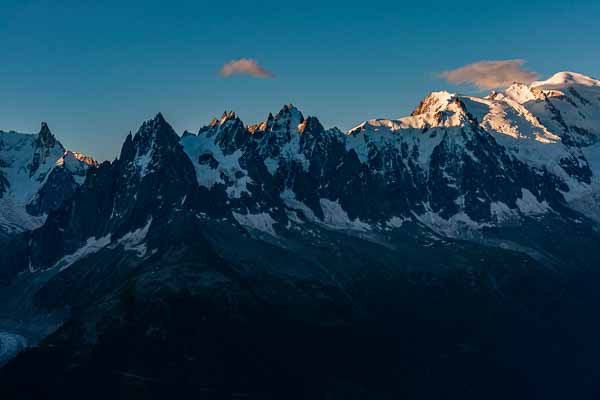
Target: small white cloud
491,74
245,66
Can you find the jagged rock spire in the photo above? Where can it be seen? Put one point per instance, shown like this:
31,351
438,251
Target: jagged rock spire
45,136
160,119
311,124
154,133
289,111
227,115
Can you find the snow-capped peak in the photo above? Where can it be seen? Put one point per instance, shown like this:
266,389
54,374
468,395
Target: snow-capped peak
438,109
565,78
568,104
45,137
519,92
435,102
290,113
36,172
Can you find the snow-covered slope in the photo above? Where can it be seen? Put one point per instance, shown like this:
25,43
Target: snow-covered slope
552,127
36,173
567,104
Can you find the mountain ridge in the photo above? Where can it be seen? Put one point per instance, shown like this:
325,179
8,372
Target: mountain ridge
471,209
509,122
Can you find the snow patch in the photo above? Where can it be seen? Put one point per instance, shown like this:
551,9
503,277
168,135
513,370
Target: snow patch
262,222
272,165
93,245
14,217
228,165
335,217
456,226
135,240
502,212
142,163
238,187
396,222
529,205
289,199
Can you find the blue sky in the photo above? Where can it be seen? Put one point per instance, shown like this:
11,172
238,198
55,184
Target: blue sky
96,70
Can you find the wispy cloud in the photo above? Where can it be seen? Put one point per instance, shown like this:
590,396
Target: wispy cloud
491,74
245,66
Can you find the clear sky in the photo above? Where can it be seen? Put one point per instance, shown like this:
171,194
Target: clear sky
94,70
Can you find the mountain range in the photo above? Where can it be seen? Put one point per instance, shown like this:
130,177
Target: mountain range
456,246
